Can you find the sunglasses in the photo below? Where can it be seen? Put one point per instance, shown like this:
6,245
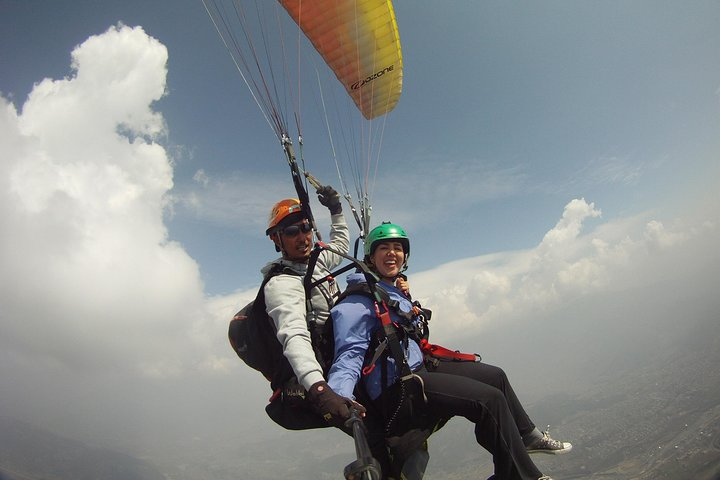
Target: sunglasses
293,230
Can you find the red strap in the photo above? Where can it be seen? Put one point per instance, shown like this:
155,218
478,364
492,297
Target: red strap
275,395
393,343
441,352
384,317
384,320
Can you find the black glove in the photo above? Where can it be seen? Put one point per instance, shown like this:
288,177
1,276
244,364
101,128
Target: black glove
334,408
330,198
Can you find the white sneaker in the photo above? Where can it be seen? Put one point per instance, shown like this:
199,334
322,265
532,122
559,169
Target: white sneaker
545,444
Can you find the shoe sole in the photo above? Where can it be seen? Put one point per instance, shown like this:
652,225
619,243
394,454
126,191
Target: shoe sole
551,452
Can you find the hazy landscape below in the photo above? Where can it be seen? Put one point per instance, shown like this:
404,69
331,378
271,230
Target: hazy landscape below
640,401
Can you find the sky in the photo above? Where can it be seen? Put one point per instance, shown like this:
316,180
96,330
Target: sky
542,154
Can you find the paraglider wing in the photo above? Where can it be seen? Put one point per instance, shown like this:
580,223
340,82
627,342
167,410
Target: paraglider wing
359,41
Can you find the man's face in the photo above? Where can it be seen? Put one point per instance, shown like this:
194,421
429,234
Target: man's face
295,241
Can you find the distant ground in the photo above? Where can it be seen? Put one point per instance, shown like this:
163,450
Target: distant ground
660,421
30,453
652,415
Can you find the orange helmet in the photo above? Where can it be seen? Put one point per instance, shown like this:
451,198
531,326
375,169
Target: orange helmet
282,210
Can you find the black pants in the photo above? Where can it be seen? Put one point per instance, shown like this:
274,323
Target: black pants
482,394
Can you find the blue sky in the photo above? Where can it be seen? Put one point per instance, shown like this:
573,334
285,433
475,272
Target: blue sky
541,154
544,102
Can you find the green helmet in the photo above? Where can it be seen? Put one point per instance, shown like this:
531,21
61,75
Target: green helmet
387,231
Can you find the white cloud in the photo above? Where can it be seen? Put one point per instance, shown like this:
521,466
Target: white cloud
89,277
201,178
568,227
515,287
658,236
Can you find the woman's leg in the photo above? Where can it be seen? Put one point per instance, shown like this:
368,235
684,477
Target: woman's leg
485,406
495,377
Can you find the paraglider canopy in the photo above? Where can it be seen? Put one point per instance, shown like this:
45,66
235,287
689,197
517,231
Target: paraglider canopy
360,42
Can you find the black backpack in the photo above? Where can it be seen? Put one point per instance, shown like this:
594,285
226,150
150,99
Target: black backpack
253,337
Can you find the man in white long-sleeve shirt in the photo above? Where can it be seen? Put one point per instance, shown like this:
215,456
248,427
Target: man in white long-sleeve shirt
285,298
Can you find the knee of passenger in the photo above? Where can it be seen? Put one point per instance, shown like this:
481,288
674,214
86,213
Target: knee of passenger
495,401
500,378
502,375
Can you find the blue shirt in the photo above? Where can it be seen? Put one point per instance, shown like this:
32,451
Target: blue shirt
354,323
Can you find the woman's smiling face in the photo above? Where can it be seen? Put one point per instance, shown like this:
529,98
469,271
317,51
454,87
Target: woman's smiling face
388,259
